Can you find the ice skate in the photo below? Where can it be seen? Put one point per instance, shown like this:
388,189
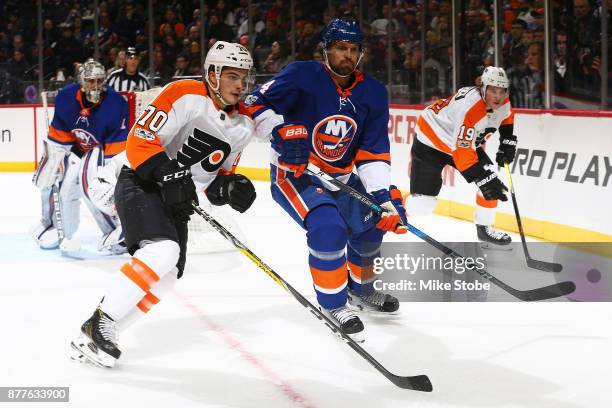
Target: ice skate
98,340
347,320
376,302
491,238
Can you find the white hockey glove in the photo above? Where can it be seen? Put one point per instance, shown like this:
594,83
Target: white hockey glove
51,167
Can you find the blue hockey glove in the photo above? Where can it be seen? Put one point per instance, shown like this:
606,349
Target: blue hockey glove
291,142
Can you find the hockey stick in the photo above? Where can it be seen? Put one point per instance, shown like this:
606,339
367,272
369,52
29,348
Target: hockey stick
547,292
532,263
417,382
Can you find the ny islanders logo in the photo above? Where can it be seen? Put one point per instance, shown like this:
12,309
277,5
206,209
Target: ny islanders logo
86,140
332,136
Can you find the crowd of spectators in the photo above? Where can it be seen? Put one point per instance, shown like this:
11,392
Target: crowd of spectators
393,35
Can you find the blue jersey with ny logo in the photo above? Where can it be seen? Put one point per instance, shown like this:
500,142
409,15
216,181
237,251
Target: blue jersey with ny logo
75,123
346,127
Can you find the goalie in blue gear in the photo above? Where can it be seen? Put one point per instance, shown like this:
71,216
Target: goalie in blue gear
89,128
334,117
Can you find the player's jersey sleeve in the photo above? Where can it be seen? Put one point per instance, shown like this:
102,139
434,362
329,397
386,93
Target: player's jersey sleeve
117,131
373,158
274,99
59,132
506,128
160,123
470,112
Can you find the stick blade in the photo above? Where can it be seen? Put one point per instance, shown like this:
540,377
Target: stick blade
544,266
548,292
416,383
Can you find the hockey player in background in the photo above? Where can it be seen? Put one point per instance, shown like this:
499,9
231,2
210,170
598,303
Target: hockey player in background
88,129
335,117
452,132
189,138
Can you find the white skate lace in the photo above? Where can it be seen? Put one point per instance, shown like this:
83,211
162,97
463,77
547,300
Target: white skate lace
376,298
342,314
108,329
495,234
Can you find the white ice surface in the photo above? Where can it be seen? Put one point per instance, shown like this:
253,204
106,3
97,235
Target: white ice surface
228,336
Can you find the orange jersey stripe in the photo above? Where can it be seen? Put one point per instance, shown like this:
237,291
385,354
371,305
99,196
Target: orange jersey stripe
475,114
364,155
464,158
431,135
328,168
140,274
142,142
114,148
333,279
510,119
61,136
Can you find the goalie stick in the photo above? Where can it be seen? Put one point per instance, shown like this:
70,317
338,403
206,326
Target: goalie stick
546,292
416,383
532,263
65,244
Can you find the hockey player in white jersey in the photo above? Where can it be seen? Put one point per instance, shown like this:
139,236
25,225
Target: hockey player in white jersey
188,138
88,129
451,132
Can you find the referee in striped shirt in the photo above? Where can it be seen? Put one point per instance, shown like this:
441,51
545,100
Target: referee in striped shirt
128,78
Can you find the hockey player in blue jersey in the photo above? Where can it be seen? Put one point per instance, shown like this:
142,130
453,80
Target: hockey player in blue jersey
88,129
335,117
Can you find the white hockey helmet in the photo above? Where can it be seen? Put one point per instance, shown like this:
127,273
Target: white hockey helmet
92,70
495,76
225,54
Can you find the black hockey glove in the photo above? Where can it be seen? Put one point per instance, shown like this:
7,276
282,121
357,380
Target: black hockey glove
507,150
487,181
233,189
491,187
177,189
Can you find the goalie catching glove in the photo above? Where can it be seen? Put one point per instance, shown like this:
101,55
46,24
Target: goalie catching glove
394,216
233,189
177,189
291,143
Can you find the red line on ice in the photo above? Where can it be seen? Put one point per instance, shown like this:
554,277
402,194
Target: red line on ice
235,344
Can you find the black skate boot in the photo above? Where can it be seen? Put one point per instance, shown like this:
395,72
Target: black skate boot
348,322
492,238
98,340
376,302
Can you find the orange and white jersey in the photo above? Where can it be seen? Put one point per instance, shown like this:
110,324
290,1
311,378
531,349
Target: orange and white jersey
459,124
184,123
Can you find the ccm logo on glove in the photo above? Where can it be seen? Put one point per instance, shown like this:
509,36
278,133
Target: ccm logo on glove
177,175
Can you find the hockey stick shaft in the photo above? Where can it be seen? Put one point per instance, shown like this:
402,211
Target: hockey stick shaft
547,292
417,383
532,263
57,209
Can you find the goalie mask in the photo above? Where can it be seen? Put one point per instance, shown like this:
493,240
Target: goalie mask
225,54
91,79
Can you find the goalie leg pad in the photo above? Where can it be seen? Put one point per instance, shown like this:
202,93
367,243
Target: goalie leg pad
97,193
51,166
70,198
